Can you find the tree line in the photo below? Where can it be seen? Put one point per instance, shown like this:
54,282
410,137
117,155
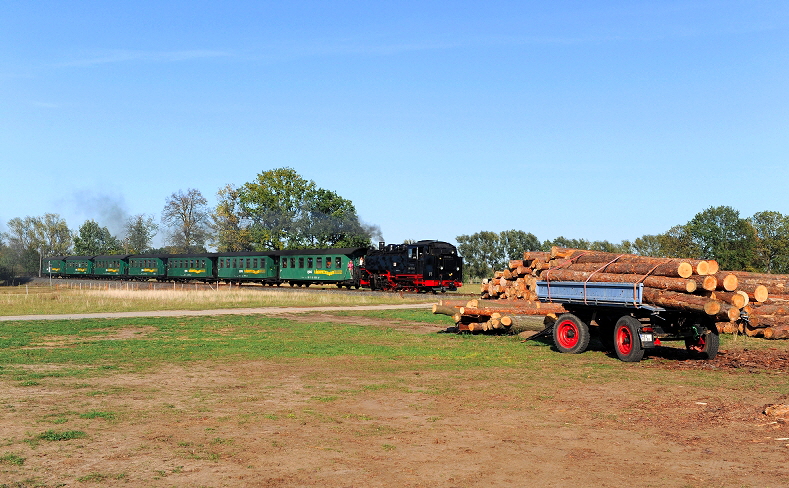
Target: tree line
758,243
279,209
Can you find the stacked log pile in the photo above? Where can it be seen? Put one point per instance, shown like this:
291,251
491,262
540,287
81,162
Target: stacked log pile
498,317
684,284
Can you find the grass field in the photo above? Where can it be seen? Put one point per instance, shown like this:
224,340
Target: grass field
373,398
113,298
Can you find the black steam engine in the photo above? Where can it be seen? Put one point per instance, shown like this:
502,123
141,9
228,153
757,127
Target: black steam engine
422,266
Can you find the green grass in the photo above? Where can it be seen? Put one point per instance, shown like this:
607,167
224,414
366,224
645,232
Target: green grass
97,415
66,435
405,315
83,348
33,350
10,458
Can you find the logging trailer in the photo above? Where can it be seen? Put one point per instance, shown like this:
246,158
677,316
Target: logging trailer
625,324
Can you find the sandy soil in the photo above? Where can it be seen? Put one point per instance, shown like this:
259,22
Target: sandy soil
334,424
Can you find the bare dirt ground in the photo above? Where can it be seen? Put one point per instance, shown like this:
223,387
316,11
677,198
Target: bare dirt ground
335,424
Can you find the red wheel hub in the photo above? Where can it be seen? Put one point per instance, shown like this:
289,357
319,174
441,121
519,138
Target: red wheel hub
567,334
624,340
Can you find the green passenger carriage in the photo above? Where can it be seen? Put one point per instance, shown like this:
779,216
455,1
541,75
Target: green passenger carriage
321,266
78,266
247,267
192,267
55,266
113,266
146,267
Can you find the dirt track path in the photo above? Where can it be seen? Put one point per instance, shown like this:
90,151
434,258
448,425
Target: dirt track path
224,311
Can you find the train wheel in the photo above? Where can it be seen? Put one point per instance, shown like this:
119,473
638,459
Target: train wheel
705,346
627,343
570,334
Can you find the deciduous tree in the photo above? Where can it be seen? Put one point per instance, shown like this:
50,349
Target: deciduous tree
287,211
772,233
24,244
140,230
719,233
94,240
187,217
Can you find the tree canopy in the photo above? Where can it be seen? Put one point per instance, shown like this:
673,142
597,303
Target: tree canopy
286,211
188,219
94,240
140,230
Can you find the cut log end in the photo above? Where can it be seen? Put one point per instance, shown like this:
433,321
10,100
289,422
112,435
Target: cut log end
730,282
685,270
712,307
760,293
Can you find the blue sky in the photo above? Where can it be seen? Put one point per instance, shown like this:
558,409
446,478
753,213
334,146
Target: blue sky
597,120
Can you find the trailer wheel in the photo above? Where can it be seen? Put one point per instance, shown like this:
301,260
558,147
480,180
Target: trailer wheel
570,334
706,346
627,343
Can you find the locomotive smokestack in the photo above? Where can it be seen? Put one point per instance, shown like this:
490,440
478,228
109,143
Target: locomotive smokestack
381,245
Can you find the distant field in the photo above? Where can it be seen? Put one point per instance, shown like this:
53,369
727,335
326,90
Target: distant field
30,300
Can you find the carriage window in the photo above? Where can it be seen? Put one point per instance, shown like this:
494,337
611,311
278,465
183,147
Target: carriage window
320,263
338,263
284,262
309,263
328,263
293,262
301,262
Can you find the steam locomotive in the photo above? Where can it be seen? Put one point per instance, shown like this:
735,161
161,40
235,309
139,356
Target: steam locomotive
423,266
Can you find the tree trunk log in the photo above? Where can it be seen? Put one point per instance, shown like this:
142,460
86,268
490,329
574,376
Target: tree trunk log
733,298
764,321
763,309
442,310
662,282
708,283
669,269
584,256
532,256
726,281
680,301
757,293
778,332
522,322
487,312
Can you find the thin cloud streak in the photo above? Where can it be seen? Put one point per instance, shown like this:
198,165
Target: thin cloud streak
122,56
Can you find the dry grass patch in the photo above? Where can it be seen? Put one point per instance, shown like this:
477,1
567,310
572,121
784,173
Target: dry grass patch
43,300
